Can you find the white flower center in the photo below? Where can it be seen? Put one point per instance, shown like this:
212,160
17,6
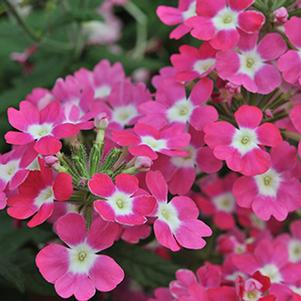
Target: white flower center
180,111
8,170
154,144
224,202
44,197
102,91
244,140
121,203
123,115
188,161
294,250
271,270
190,12
81,259
268,183
250,63
202,66
168,214
226,19
38,131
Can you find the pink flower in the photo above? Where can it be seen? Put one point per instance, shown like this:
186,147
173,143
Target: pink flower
177,221
133,234
290,63
271,260
180,172
44,127
280,15
121,106
174,16
37,194
240,147
173,106
219,201
123,202
162,294
40,97
193,62
77,269
15,165
250,65
218,22
295,119
145,140
275,192
77,100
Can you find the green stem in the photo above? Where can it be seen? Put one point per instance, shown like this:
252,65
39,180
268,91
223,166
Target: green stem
35,37
141,21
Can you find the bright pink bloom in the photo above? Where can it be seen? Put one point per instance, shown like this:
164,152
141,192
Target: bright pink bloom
240,147
270,259
45,127
122,104
218,21
77,269
41,97
250,65
275,192
133,234
174,16
177,221
123,202
173,106
290,63
193,62
15,166
295,119
37,194
102,79
145,140
219,201
77,100
180,172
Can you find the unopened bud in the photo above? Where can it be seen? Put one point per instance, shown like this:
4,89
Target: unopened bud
143,163
51,160
280,15
233,88
101,121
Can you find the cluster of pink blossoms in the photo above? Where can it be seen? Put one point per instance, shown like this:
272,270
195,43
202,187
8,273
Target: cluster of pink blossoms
213,154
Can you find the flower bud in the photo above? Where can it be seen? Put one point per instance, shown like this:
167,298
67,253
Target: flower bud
280,15
143,163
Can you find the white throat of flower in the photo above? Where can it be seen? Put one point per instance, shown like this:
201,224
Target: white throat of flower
294,250
203,66
46,196
190,12
224,202
180,111
244,140
271,270
81,259
102,91
38,131
8,170
124,114
250,62
168,214
121,203
268,183
188,161
226,19
154,144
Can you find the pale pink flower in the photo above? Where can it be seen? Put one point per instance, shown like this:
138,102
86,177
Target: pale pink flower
77,269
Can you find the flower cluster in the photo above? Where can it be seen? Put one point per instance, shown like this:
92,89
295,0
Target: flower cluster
210,160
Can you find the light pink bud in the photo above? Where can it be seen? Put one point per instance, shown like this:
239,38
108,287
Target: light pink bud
51,160
280,15
143,163
101,121
233,88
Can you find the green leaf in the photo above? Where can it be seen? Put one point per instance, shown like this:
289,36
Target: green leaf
146,267
12,274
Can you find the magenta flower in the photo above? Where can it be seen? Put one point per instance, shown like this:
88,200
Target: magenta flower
36,196
290,63
123,202
44,127
173,106
180,172
275,192
241,147
145,140
177,221
295,119
219,201
174,16
219,22
14,166
77,269
121,106
251,64
193,62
